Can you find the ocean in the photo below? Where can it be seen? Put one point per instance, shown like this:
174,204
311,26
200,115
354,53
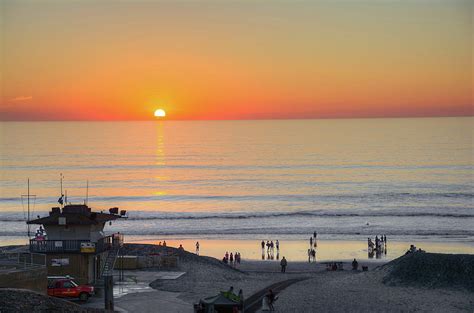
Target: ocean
347,179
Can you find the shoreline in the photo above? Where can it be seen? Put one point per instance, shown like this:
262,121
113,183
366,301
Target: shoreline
295,250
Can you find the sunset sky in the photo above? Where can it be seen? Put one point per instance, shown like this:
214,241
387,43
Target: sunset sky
121,60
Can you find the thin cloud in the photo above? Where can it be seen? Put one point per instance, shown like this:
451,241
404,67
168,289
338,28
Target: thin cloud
21,98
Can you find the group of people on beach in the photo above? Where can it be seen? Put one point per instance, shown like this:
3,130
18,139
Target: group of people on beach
232,259
378,247
270,245
270,249
413,249
313,244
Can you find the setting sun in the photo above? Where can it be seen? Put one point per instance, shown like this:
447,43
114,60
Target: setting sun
160,113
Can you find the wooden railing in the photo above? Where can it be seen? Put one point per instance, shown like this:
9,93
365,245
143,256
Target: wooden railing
75,246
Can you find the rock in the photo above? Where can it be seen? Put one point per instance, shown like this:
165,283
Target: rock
22,300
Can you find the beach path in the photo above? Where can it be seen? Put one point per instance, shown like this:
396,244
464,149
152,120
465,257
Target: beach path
254,302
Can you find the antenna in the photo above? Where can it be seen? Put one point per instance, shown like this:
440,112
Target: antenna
28,197
87,193
28,207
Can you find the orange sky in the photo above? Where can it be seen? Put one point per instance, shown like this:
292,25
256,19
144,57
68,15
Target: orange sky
110,60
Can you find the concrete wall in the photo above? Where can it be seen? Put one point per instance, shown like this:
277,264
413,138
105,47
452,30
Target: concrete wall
32,278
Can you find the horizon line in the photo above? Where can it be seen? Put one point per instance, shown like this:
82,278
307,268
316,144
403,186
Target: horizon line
238,119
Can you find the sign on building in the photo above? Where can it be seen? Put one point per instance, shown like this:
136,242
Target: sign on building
87,247
60,262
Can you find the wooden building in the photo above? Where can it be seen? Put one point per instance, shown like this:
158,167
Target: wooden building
75,243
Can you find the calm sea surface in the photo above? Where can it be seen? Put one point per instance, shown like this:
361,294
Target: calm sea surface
411,179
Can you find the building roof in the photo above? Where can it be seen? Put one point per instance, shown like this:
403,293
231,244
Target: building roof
75,215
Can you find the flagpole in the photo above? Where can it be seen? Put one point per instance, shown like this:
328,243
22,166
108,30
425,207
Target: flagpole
28,208
61,179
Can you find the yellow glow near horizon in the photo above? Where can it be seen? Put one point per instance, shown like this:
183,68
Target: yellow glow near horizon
160,113
330,59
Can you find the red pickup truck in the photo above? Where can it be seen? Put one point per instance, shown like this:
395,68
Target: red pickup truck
66,287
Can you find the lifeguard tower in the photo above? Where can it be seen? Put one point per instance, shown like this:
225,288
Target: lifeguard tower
75,243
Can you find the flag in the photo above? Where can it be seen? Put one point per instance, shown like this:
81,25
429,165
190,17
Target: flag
60,200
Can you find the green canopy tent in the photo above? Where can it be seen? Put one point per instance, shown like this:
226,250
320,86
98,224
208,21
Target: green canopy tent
224,302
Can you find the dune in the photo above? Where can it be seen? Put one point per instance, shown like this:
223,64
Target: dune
432,270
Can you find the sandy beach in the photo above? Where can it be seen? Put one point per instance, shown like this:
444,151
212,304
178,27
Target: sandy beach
417,282
327,291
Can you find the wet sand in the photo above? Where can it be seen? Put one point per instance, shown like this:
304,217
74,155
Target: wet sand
296,250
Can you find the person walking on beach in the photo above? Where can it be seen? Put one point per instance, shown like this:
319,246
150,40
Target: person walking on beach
271,299
231,259
277,244
263,245
310,241
197,247
315,234
283,264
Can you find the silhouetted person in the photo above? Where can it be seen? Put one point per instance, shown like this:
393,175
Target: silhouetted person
271,299
283,264
241,295
355,265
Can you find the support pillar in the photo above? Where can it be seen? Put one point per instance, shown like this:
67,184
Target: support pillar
109,292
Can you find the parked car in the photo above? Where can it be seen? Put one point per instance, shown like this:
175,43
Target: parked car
66,287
